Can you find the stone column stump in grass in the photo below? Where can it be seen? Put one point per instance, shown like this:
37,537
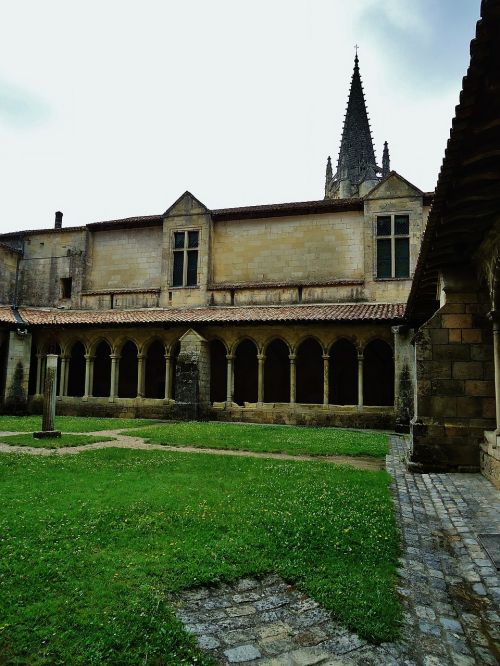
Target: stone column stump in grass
49,401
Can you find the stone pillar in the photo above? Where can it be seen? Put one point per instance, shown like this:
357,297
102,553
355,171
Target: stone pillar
49,396
494,316
168,377
292,358
66,376
141,371
260,387
88,376
326,379
404,373
62,387
230,375
360,379
39,359
192,377
114,376
17,372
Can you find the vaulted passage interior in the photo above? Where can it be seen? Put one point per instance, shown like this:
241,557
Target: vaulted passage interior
218,371
378,374
343,373
76,373
155,371
102,371
127,378
245,373
310,372
277,372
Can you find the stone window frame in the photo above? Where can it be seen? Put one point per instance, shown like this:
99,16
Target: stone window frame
393,236
184,250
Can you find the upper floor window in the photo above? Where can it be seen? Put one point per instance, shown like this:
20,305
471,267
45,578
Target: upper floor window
66,285
393,246
185,271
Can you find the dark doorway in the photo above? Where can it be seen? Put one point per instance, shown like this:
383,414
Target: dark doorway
245,373
343,374
102,371
277,372
218,371
127,378
378,374
33,370
310,372
76,374
155,371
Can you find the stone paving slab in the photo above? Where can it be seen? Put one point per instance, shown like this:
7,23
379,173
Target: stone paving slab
449,589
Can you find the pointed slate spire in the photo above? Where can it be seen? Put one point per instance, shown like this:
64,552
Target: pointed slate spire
386,160
356,161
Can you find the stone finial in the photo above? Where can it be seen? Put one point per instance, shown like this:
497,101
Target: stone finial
386,161
58,220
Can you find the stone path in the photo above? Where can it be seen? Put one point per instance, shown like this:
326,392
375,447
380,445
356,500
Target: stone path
449,589
127,442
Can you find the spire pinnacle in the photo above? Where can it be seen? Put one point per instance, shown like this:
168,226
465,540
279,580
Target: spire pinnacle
386,160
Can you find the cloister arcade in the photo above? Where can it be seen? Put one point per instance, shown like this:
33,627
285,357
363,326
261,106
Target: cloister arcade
307,369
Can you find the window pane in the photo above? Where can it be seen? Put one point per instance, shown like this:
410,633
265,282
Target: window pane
192,239
192,267
384,225
402,257
178,269
384,258
401,225
179,239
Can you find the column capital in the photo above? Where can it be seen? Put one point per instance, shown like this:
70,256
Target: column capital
292,357
230,357
141,357
401,329
360,355
494,316
261,357
90,357
168,356
326,357
114,356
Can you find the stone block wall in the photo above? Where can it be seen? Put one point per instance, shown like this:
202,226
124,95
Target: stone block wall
17,373
8,266
455,396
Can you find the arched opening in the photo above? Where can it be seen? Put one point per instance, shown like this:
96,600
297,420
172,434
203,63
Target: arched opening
378,374
76,373
245,373
343,374
102,371
155,371
277,372
127,376
218,371
309,372
174,355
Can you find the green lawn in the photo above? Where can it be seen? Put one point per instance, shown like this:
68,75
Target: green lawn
91,543
275,439
68,423
53,443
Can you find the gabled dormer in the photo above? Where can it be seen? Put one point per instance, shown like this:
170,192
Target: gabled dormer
187,229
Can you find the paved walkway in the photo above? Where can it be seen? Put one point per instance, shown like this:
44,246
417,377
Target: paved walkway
448,586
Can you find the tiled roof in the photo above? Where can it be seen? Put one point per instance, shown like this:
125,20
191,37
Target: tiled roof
9,248
207,315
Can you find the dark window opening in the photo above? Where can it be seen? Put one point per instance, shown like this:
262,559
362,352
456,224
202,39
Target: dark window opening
185,260
378,374
277,372
66,285
76,373
127,375
393,246
102,371
343,374
218,371
310,372
155,371
245,373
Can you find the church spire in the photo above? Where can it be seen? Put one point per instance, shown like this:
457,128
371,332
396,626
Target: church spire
356,167
329,175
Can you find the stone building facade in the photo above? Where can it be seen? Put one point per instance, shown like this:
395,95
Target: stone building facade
283,313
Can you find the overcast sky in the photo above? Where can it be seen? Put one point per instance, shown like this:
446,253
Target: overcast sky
114,108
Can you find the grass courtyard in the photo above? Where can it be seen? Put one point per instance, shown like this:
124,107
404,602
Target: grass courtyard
92,543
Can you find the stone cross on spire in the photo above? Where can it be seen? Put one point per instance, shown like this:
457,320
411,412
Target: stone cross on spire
356,166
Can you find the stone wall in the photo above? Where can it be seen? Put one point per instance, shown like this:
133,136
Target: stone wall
8,266
17,372
455,399
404,376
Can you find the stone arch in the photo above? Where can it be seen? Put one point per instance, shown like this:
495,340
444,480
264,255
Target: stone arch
277,371
154,386
309,364
101,351
218,370
97,341
241,339
245,371
128,367
378,373
343,373
308,336
76,371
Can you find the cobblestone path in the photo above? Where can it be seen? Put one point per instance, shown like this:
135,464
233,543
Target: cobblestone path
448,586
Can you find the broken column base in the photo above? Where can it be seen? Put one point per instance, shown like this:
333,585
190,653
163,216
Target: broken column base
47,434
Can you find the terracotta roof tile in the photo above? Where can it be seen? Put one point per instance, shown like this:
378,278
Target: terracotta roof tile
220,286
207,315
